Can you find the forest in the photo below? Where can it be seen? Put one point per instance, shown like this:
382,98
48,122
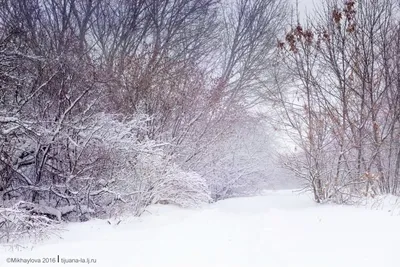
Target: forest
108,107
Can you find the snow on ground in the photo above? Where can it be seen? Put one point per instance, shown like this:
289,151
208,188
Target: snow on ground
280,229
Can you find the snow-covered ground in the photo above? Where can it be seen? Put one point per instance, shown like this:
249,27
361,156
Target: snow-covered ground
279,229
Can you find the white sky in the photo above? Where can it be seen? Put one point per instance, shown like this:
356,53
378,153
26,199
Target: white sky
306,7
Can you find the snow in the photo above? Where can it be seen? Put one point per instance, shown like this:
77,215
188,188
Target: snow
278,229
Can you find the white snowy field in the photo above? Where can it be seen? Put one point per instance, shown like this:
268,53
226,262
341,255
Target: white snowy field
280,229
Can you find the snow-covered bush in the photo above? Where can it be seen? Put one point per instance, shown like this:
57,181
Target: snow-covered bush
185,189
25,221
169,184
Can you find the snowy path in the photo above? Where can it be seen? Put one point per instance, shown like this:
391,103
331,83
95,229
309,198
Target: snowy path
280,229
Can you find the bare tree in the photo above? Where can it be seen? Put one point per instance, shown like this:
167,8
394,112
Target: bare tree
345,64
91,91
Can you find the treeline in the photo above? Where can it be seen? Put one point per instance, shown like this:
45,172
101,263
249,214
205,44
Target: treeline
344,108
114,105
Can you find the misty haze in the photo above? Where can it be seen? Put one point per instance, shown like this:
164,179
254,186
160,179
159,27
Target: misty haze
200,133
